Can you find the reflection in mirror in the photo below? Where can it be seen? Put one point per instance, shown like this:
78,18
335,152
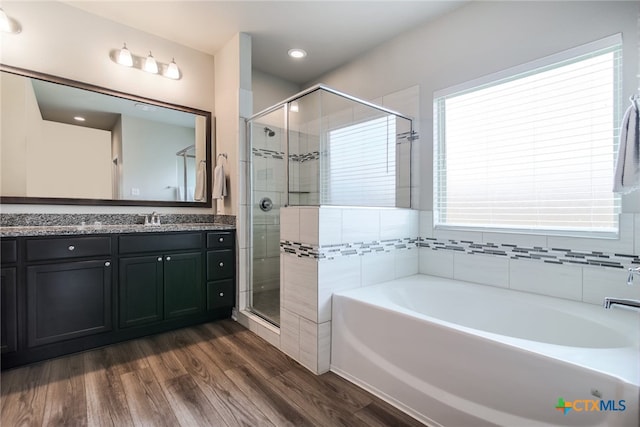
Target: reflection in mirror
67,142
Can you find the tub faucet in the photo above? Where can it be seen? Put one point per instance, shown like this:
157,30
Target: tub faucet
632,303
632,271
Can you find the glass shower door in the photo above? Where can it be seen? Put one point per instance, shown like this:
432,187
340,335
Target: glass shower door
268,193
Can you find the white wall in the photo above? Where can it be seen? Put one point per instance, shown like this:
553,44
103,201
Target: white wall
482,38
268,90
64,41
61,161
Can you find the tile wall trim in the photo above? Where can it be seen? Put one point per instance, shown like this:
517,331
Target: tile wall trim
535,253
272,154
333,251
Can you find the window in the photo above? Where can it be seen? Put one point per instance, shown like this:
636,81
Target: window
362,164
532,149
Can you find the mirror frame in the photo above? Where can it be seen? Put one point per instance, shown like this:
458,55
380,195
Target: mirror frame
118,94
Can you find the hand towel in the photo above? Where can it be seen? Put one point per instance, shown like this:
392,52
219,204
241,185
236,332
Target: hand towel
219,183
201,177
627,174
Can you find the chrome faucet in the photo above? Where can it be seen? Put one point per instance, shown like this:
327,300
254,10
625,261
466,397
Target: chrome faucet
153,219
632,303
624,302
632,271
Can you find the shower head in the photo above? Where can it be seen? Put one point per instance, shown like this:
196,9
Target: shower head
269,132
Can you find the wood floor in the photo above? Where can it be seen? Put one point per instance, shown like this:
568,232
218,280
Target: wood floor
217,374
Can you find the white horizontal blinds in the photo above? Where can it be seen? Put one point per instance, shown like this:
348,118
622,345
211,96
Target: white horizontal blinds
362,164
534,151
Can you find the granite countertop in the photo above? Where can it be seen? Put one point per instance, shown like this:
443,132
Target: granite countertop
52,230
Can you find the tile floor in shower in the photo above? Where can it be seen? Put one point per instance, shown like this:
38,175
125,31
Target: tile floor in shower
267,304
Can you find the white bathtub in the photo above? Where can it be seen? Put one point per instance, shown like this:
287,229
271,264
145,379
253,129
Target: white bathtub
455,354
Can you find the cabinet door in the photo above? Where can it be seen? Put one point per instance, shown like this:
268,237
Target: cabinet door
8,320
68,300
140,290
183,284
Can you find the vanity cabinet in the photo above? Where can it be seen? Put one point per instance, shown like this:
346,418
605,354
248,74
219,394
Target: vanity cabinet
8,297
67,294
220,270
68,288
157,287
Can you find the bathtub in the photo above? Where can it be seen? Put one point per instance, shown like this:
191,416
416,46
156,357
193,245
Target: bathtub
452,353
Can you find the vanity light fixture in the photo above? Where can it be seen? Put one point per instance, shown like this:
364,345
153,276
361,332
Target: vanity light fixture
150,64
172,71
124,57
297,53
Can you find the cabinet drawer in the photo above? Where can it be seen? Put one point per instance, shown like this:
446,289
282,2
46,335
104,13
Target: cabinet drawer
68,247
220,294
220,239
160,242
220,265
8,251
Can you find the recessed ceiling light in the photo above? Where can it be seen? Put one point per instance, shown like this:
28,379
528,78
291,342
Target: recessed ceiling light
297,53
79,119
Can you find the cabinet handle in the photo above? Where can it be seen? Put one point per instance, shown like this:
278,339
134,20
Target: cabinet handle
168,258
222,264
221,239
107,264
159,259
71,247
221,294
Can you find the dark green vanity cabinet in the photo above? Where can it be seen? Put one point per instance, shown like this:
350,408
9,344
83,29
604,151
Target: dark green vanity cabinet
220,270
8,297
64,294
68,284
163,283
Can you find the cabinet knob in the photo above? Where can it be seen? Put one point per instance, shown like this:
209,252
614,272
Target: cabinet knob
222,264
221,239
107,264
159,259
221,294
71,247
168,258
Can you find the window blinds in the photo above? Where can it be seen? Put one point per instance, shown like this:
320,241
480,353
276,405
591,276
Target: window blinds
534,150
361,169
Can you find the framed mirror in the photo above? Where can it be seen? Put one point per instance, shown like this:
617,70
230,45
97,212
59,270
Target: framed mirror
66,142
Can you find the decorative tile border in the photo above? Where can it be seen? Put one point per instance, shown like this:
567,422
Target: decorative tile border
548,255
271,154
330,252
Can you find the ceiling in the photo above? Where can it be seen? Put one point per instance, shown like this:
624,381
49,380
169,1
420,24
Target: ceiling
332,32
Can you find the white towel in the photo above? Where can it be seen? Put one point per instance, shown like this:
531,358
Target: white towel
219,182
201,177
627,175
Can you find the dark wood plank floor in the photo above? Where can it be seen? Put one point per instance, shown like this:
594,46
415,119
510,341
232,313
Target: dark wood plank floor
217,374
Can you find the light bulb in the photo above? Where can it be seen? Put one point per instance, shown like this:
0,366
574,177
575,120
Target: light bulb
150,65
124,57
5,23
173,72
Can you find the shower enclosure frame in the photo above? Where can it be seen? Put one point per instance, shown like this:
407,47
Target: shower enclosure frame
285,107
